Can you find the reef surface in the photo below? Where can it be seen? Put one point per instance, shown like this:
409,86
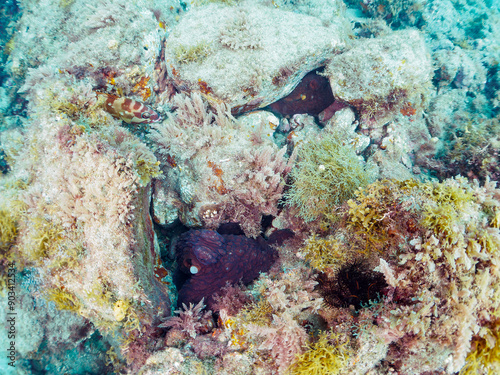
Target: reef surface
250,187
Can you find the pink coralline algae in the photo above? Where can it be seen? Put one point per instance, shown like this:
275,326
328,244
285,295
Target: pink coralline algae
211,260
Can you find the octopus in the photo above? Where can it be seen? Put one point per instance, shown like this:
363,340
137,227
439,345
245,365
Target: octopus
311,96
208,260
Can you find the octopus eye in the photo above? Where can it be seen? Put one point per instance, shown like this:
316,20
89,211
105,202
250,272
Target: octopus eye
146,115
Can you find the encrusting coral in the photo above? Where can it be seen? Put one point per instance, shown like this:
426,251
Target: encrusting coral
470,150
84,187
382,84
241,60
81,199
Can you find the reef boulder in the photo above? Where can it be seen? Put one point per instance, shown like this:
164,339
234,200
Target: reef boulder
383,76
248,56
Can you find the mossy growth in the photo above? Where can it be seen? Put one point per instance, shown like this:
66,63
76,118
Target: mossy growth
488,241
114,360
8,233
45,238
327,173
66,3
64,300
11,214
46,243
322,357
124,311
454,191
132,322
323,253
147,169
495,221
259,313
100,293
447,202
383,205
470,149
190,54
484,357
441,220
60,104
8,228
87,115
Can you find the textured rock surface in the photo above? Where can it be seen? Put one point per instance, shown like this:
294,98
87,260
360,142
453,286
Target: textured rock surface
383,76
46,339
106,234
248,56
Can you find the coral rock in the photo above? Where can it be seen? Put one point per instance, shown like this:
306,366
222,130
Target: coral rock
253,57
217,169
381,76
